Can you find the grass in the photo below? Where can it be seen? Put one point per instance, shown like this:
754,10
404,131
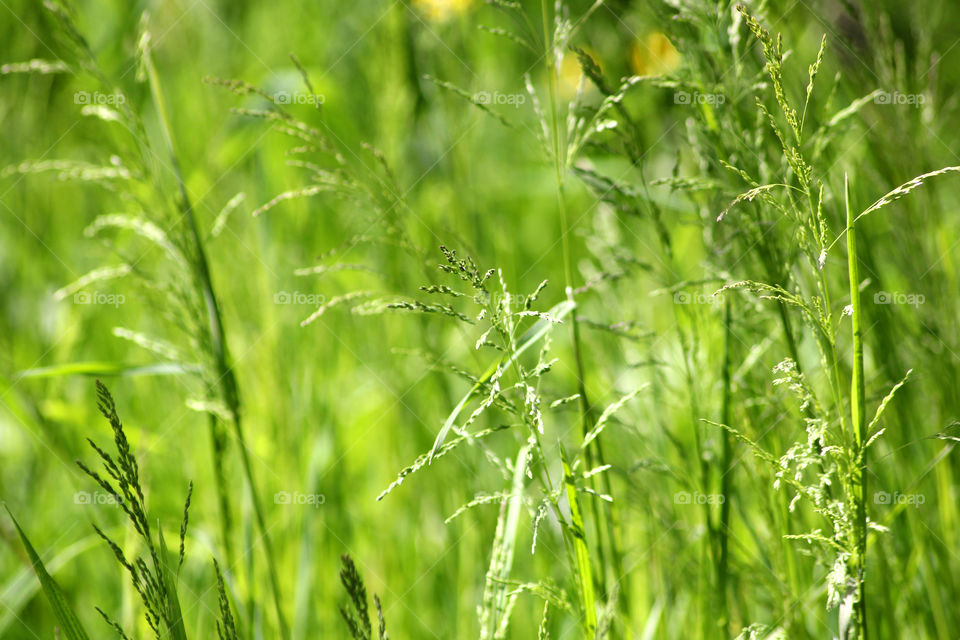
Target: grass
555,320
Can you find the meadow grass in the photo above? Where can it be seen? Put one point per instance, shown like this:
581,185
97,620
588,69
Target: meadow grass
377,230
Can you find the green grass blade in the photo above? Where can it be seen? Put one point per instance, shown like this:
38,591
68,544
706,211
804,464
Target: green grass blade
857,388
174,616
106,369
217,335
858,423
72,629
578,535
496,605
21,587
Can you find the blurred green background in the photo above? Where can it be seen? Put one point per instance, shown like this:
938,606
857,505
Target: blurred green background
337,408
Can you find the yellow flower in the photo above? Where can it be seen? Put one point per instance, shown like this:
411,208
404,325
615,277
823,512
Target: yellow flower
653,55
571,73
440,10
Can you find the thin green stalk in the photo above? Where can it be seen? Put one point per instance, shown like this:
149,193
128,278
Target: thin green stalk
594,452
858,424
225,375
773,265
723,561
218,446
708,552
774,271
783,501
581,549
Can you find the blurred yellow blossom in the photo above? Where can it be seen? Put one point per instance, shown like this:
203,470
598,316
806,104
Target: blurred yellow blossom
571,74
440,10
653,55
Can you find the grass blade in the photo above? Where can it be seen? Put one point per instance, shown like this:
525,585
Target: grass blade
72,629
578,535
858,424
174,615
106,369
495,610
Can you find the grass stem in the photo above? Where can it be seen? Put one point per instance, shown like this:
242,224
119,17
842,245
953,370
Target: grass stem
858,423
225,376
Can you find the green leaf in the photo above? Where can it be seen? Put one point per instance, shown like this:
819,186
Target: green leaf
174,616
582,552
22,586
72,629
103,369
497,598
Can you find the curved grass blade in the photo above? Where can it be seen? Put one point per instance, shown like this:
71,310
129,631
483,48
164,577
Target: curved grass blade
72,629
22,587
578,534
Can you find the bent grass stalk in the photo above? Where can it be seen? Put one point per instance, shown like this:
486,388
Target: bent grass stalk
226,379
215,321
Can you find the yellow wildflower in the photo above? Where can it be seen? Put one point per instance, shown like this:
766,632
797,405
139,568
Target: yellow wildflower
441,10
653,55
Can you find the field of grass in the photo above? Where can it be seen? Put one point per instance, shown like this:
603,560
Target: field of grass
457,319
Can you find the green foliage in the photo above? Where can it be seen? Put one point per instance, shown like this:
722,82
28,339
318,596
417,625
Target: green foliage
643,210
